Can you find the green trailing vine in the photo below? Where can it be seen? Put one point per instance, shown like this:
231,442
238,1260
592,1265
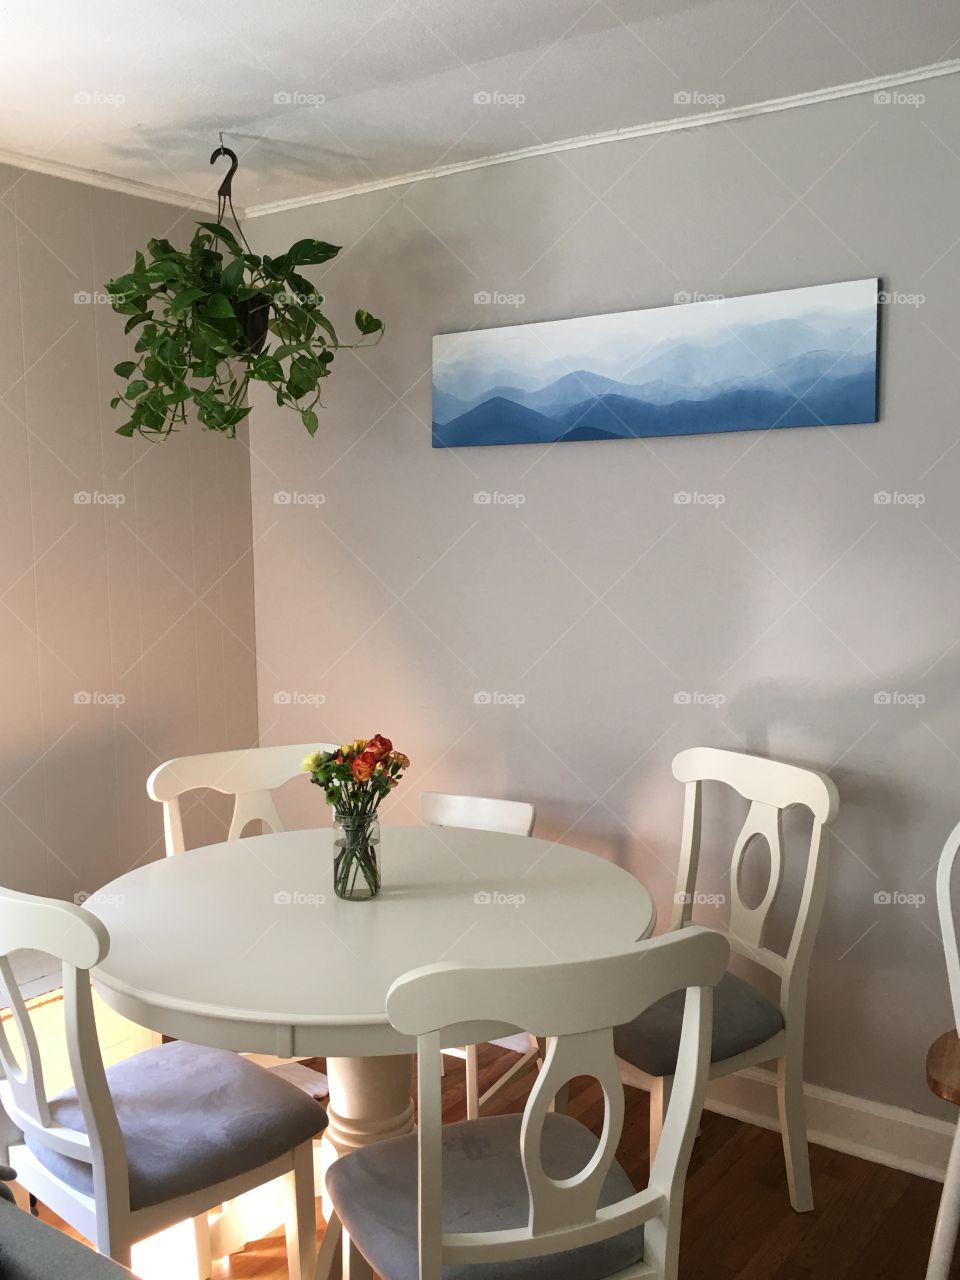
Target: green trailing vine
215,317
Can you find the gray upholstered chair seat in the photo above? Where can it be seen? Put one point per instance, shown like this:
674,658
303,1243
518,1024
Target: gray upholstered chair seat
742,1019
374,1192
191,1117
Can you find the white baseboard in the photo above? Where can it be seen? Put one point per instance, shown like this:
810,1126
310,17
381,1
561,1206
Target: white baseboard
871,1130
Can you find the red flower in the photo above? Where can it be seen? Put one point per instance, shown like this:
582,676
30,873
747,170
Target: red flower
378,747
364,766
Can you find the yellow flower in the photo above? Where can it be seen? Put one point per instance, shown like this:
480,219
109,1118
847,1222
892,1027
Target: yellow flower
312,762
399,759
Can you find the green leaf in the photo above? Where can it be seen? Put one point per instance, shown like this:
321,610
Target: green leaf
183,301
307,253
127,429
310,421
135,320
163,249
217,307
324,323
302,287
164,270
135,389
267,369
232,277
367,323
122,286
125,368
225,236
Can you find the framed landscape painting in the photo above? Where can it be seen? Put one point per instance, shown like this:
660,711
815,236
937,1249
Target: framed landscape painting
796,358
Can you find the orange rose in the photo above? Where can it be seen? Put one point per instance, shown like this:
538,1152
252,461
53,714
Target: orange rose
364,766
378,747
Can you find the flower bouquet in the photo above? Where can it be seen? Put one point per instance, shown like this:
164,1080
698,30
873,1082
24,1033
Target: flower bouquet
355,778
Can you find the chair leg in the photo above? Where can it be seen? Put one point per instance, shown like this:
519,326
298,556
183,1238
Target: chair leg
473,1083
201,1234
659,1101
948,1217
117,1249
793,1128
301,1215
328,1257
355,1265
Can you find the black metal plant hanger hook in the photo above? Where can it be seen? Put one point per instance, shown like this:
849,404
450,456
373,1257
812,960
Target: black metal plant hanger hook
225,190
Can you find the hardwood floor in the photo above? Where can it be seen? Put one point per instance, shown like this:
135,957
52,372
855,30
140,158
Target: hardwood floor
870,1223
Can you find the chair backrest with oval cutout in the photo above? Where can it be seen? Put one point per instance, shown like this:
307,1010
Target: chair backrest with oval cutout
250,776
770,787
511,817
79,941
574,1007
948,919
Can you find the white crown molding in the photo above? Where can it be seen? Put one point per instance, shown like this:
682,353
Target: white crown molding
722,115
107,181
202,204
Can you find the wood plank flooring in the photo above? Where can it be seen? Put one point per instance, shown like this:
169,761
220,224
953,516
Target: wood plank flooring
870,1223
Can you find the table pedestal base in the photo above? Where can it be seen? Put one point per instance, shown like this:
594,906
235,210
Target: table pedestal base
369,1101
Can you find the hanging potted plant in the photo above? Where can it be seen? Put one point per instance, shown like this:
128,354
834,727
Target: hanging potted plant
203,317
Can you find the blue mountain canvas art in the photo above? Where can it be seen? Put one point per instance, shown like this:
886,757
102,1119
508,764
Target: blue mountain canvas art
795,358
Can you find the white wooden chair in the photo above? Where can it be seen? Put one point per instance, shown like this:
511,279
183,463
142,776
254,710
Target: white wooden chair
512,817
250,776
499,1192
943,1067
748,1029
158,1138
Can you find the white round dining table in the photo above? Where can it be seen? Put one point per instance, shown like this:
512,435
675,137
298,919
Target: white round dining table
245,946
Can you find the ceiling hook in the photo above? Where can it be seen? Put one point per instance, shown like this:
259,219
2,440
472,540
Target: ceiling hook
226,185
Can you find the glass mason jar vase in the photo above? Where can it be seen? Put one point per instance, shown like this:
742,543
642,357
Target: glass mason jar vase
356,841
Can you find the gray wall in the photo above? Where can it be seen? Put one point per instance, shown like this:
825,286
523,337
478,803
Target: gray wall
599,599
146,598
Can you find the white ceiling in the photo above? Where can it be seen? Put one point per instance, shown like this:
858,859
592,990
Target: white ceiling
381,88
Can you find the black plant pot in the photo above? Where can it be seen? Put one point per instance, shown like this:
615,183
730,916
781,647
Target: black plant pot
254,317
